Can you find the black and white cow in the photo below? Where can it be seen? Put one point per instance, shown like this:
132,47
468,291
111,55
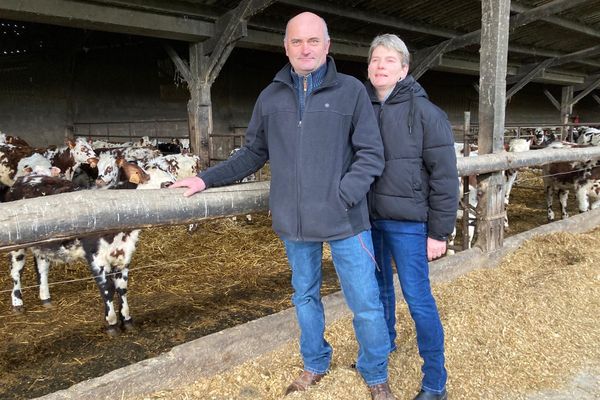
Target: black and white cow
108,256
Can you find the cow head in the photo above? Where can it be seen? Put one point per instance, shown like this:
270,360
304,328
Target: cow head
108,171
82,151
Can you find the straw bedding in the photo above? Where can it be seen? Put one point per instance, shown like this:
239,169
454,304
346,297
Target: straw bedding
526,325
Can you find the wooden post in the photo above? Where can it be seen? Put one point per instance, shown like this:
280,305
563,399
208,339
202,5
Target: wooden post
199,105
492,98
466,220
566,109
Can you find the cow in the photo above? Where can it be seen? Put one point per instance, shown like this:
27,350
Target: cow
107,255
588,136
179,165
542,138
115,172
562,177
514,146
67,158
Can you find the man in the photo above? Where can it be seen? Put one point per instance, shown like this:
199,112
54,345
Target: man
318,129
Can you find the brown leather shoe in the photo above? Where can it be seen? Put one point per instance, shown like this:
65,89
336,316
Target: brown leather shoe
381,391
303,381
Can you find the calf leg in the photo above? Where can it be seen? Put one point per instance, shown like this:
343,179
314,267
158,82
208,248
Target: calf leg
582,199
42,267
107,292
511,176
17,263
549,195
563,196
121,279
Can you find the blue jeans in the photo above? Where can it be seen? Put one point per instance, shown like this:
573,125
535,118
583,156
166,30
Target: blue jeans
406,243
355,266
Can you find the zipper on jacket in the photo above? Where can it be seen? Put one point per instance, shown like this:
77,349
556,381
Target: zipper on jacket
298,185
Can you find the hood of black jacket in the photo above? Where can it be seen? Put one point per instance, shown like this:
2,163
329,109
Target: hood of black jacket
404,90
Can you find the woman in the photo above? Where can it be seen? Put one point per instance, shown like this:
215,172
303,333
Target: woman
413,203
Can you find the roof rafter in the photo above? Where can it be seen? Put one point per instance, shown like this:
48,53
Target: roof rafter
514,22
525,70
562,22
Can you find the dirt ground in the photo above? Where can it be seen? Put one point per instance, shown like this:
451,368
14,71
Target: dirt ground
182,286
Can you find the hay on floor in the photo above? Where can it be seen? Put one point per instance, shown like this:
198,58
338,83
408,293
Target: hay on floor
528,325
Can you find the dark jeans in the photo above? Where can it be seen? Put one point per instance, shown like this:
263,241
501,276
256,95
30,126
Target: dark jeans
406,242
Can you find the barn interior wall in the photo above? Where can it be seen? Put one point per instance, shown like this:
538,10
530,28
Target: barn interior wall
41,98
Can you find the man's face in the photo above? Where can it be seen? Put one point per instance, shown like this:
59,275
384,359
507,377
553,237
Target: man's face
305,43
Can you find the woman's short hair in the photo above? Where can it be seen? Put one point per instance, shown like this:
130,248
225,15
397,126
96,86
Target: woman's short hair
391,42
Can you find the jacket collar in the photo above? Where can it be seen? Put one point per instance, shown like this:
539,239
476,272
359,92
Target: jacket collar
285,74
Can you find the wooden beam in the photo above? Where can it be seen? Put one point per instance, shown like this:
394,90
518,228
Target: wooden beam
492,99
102,211
370,17
555,61
586,91
587,82
515,21
87,15
231,28
200,104
596,98
433,58
552,99
181,65
239,29
487,163
545,10
527,78
566,107
576,56
564,23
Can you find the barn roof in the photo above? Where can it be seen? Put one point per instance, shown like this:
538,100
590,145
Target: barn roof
563,32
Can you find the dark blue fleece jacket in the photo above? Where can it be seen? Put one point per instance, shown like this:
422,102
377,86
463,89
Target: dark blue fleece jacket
321,166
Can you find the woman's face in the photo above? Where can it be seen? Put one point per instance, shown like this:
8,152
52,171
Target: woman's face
386,68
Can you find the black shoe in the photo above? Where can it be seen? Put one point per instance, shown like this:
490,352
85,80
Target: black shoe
423,395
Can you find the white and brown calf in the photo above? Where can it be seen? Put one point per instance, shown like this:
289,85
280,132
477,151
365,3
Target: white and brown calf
581,177
179,165
114,173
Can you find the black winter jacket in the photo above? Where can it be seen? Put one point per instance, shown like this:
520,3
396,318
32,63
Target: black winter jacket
420,179
321,167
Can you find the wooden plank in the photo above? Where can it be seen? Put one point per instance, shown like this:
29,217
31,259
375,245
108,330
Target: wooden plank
553,100
586,91
87,15
492,97
181,65
82,213
564,23
430,60
500,161
535,71
515,21
76,214
566,108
